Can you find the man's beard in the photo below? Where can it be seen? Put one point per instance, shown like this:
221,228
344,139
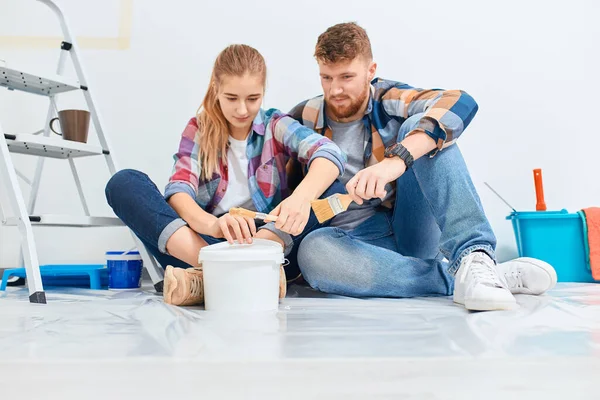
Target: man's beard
350,110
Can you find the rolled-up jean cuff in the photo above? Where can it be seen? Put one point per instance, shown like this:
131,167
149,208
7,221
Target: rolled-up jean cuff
477,247
167,232
285,237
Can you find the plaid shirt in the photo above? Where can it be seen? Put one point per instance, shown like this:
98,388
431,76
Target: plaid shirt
275,137
445,115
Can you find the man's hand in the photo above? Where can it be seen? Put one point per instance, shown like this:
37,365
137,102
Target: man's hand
370,182
292,214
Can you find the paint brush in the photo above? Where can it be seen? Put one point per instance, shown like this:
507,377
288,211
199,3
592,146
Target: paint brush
327,208
242,212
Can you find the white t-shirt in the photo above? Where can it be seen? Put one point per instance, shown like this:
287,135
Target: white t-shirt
238,192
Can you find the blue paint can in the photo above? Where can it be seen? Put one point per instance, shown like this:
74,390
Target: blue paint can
124,269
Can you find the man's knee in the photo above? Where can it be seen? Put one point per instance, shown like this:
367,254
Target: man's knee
310,256
317,255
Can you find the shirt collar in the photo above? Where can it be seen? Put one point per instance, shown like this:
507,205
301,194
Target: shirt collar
258,125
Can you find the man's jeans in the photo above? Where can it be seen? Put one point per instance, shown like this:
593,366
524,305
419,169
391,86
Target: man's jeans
414,250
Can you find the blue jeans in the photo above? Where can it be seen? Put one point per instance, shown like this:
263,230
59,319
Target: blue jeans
414,250
136,200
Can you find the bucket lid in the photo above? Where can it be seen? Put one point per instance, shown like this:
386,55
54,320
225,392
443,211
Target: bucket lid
123,256
259,250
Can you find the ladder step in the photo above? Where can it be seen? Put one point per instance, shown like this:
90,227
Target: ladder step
80,221
53,147
48,84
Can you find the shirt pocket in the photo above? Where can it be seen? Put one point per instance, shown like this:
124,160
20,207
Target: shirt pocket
267,178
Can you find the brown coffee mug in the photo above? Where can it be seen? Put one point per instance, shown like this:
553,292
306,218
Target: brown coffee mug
74,125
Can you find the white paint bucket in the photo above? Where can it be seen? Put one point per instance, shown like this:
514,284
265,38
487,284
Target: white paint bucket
241,277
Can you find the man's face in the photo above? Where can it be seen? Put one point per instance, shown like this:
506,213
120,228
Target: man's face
346,87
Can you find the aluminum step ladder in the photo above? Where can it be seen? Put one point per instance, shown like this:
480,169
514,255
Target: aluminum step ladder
42,145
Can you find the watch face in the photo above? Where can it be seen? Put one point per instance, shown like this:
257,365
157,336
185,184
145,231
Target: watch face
389,152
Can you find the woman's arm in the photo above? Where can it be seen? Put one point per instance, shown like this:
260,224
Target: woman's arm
294,211
325,160
182,189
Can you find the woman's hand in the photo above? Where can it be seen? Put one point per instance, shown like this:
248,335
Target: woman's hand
233,228
292,214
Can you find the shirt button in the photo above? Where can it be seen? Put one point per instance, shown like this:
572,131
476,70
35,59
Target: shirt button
264,167
222,190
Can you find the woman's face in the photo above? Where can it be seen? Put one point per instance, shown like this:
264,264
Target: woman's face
240,98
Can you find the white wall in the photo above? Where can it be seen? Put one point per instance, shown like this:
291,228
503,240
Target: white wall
531,65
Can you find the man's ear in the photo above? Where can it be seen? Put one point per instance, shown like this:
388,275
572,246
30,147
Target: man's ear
372,70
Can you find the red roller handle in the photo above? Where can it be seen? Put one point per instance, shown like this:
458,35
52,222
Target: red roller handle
539,190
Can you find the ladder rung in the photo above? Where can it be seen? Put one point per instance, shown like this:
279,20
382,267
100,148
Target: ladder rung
67,221
50,147
16,78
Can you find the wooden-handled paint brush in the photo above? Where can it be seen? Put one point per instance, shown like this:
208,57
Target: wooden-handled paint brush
242,212
327,208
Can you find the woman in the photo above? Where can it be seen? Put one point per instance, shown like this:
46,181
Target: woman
231,154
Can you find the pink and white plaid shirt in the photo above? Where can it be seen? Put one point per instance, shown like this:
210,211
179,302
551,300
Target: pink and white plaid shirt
275,138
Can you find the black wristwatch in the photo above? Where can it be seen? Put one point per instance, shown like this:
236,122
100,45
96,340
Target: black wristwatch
398,150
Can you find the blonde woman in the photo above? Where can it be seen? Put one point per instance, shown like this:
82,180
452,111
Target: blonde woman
232,154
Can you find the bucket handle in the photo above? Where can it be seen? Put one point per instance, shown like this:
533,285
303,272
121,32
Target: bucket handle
128,251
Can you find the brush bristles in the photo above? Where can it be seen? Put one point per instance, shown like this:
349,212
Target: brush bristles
328,208
322,210
242,212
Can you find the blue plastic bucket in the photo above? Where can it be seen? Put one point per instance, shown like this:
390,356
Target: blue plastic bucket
556,237
124,270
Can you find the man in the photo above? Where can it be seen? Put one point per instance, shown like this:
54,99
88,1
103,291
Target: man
417,226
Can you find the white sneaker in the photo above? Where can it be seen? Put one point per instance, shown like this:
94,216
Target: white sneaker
527,275
478,287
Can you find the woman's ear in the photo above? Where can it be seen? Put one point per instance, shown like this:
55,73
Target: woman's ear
215,91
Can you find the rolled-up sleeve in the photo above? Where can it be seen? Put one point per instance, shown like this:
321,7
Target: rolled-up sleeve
306,145
446,113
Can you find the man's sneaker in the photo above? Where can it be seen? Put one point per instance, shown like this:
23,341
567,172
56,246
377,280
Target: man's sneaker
478,287
527,275
183,287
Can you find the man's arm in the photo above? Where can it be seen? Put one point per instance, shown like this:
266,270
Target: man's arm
446,113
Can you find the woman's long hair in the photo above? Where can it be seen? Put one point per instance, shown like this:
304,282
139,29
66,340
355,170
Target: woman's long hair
235,60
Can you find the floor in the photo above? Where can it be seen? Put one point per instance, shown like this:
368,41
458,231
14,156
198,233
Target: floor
94,343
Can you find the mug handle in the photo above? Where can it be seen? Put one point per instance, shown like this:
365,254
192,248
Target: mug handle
52,128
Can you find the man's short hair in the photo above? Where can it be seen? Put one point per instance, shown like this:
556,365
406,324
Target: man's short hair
343,42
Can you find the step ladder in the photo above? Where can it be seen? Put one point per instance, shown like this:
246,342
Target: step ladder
41,144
